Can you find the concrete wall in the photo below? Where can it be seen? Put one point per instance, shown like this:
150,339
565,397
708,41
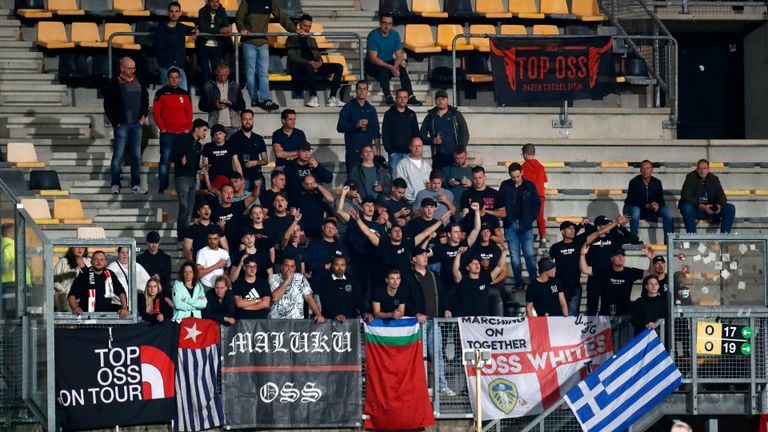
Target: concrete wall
755,84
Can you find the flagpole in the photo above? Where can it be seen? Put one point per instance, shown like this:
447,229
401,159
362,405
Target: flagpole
478,398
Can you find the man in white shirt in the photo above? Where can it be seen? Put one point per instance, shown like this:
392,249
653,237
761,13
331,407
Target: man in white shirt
212,261
414,169
289,292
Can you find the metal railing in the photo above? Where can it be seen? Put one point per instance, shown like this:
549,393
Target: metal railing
718,6
236,40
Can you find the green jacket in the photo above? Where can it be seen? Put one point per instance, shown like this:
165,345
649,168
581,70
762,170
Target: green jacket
256,22
693,185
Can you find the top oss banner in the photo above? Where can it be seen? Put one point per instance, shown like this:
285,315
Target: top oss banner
291,373
116,376
534,361
539,69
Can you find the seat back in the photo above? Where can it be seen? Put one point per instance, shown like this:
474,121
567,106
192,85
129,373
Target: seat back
68,208
230,5
97,6
396,8
157,7
91,232
481,42
128,5
559,7
318,28
523,6
22,151
29,4
489,6
458,7
62,5
546,30
15,181
419,35
513,29
37,207
446,32
277,40
51,32
110,28
585,8
85,32
44,179
340,59
425,6
191,6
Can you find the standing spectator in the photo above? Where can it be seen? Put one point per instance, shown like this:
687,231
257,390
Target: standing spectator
371,180
170,45
302,166
186,163
473,296
702,197
435,191
534,172
390,301
66,270
414,169
444,253
253,17
229,214
565,254
212,19
341,296
491,202
173,116
264,254
660,271
617,280
212,261
397,205
122,272
544,296
287,140
217,157
315,203
221,302
359,123
385,59
223,100
457,175
321,251
249,151
307,67
196,236
277,187
445,130
279,218
645,200
156,262
289,292
650,307
126,105
151,305
399,126
252,294
188,294
95,290
522,206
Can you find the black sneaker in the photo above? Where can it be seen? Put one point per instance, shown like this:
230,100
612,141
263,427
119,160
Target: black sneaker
413,101
255,104
389,100
268,105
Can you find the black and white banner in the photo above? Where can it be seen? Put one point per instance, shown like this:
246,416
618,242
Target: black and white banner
118,376
291,373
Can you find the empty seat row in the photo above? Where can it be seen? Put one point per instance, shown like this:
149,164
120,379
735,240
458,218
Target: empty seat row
53,35
420,39
585,10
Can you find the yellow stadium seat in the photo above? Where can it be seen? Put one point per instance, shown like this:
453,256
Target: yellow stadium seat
551,191
737,192
322,42
64,7
129,8
39,210
614,164
546,30
23,155
428,9
587,10
445,35
70,211
229,5
86,34
553,164
513,29
191,8
554,7
34,13
492,9
52,35
340,59
525,9
605,192
277,41
761,192
189,40
418,38
122,42
482,44
478,78
560,219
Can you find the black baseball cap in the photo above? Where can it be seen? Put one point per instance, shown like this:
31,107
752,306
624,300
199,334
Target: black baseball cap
602,220
659,258
618,251
567,224
441,94
305,146
545,265
428,202
418,251
217,128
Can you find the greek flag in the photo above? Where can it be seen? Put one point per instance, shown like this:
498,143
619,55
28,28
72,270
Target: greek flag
626,387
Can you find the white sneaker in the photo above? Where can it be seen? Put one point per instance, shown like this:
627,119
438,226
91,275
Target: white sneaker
333,102
313,102
447,392
115,189
138,190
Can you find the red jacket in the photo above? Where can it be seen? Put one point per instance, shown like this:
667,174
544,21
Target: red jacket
173,110
533,171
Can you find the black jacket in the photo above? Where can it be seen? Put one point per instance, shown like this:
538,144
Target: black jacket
216,310
648,309
341,297
638,194
530,205
460,131
211,95
113,104
160,303
158,264
398,128
416,302
204,24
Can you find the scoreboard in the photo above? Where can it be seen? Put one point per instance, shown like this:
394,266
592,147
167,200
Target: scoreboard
723,339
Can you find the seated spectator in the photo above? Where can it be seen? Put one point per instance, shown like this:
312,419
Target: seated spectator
315,203
151,304
188,294
212,261
307,67
250,152
264,256
221,302
473,296
649,308
67,269
196,236
290,290
372,180
702,197
223,100
645,200
95,290
544,297
252,293
457,175
435,191
389,301
216,158
341,296
287,140
414,169
444,130
384,59
321,251
302,166
122,272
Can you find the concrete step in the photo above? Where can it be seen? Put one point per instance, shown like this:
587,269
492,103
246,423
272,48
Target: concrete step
19,54
33,131
22,65
10,33
64,121
35,77
31,87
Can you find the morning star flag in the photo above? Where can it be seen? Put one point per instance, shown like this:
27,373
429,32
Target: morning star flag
396,384
198,402
625,387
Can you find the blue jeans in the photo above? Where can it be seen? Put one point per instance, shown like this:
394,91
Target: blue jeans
691,212
126,135
186,187
167,140
517,242
394,159
256,57
435,351
164,77
664,212
574,302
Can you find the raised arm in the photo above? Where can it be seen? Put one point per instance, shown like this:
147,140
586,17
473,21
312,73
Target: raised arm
501,265
340,212
373,238
456,268
583,266
472,236
420,237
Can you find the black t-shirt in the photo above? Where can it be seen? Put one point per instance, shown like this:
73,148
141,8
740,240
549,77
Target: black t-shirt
418,225
288,143
395,256
489,255
251,291
389,303
291,251
276,226
473,297
358,244
617,288
250,148
263,262
444,253
489,196
233,219
199,235
219,159
394,206
468,223
313,210
545,297
566,257
89,280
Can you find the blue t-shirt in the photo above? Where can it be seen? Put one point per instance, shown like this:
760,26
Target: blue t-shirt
385,47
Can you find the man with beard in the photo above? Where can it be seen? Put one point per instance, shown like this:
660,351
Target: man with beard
249,151
341,296
95,290
314,203
287,140
320,252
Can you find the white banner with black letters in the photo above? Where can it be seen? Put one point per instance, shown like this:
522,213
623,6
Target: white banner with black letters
291,373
